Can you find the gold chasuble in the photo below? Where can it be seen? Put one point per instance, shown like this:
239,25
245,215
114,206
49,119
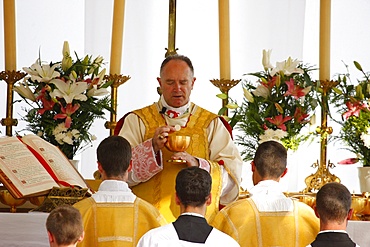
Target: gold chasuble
116,224
160,189
249,227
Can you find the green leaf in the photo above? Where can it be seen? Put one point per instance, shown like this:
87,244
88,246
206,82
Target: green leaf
222,96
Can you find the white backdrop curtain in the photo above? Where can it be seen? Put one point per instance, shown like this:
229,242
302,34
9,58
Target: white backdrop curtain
288,27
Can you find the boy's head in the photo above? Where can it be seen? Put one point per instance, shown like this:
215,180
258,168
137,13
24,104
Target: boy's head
64,226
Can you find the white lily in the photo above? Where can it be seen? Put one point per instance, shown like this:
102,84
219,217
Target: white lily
24,90
287,67
42,72
95,90
262,91
67,59
266,59
69,90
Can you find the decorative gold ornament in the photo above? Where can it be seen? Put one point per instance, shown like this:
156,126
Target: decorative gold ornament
118,80
322,176
225,85
60,196
171,50
7,199
10,77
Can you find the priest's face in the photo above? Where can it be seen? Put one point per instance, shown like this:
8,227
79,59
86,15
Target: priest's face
176,83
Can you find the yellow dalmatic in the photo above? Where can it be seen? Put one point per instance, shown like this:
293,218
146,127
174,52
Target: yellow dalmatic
160,189
249,227
116,224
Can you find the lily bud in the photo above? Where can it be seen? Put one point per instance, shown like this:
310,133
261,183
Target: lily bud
357,65
278,81
266,59
359,93
248,95
279,108
74,74
67,59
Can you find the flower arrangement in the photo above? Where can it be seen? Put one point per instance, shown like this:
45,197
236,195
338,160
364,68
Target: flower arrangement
276,107
352,103
65,99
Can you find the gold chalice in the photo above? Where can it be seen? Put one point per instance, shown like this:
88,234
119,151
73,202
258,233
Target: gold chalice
7,199
177,143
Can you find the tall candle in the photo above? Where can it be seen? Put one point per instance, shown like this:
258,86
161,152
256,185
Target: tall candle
9,35
324,60
224,38
117,37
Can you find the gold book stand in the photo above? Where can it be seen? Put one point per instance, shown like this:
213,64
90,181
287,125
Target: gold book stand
61,196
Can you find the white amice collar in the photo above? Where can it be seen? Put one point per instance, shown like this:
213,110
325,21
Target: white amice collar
173,112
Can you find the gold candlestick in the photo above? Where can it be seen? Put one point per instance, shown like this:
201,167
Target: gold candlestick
322,176
10,77
118,80
171,50
225,85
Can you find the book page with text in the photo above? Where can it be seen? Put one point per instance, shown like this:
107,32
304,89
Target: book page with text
58,162
22,168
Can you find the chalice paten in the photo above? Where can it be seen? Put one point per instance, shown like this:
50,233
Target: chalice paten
177,143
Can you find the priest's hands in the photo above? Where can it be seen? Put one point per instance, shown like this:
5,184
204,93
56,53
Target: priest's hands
190,159
160,137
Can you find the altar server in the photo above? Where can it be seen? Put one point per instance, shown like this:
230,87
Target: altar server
193,187
268,217
333,208
114,216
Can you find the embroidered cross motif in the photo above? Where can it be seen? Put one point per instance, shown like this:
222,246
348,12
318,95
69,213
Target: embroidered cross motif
172,114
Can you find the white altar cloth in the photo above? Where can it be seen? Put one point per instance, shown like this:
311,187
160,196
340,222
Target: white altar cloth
23,229
28,229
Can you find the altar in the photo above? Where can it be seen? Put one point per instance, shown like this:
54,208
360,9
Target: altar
28,229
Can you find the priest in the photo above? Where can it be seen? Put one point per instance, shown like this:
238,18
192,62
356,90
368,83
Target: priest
211,147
